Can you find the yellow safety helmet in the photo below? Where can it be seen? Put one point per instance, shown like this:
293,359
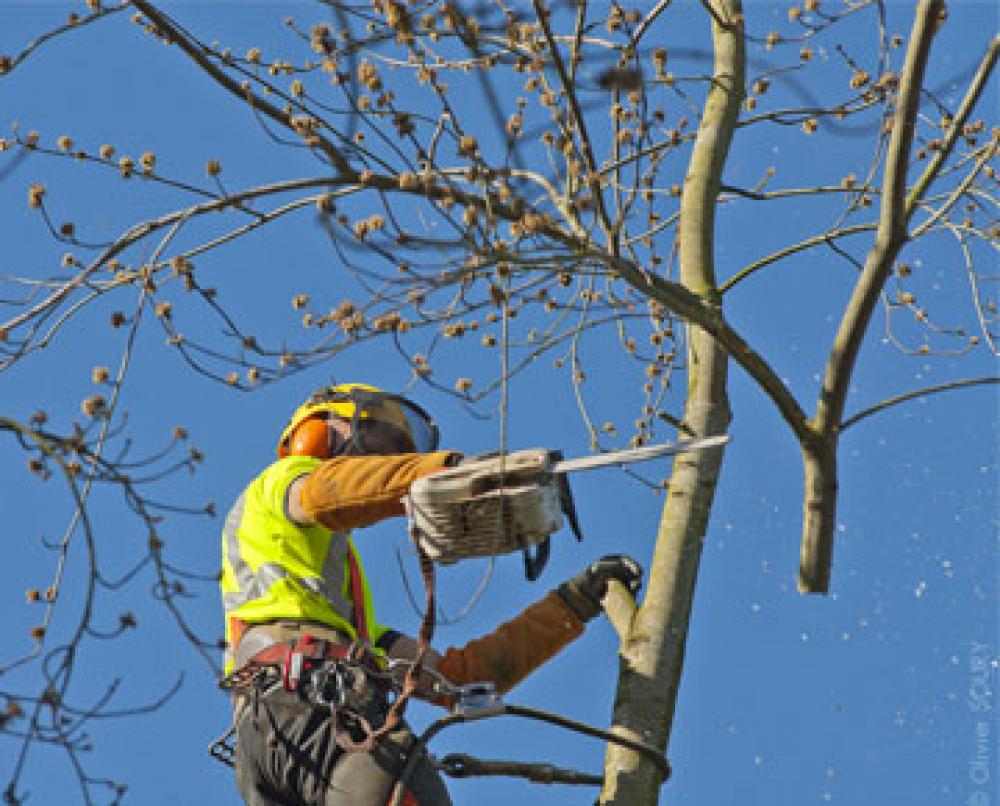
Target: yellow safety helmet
381,423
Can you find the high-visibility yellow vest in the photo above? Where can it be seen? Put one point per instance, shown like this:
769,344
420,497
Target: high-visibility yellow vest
275,569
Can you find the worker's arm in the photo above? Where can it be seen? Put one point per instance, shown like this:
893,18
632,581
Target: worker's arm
515,649
405,648
398,646
504,657
349,492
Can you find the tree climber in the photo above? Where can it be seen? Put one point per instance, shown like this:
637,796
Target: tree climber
292,578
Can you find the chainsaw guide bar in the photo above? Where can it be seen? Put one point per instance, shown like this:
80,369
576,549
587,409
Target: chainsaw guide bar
503,502
637,454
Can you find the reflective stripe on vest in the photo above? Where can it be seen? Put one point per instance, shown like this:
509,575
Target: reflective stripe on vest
255,585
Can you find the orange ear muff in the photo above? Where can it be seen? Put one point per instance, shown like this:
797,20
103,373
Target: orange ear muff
311,438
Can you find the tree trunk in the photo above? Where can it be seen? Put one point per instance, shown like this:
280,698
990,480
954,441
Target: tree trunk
653,654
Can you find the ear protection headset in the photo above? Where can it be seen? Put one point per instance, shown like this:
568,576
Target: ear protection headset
314,436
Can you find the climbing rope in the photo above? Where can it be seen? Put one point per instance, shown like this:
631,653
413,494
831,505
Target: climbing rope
462,765
493,706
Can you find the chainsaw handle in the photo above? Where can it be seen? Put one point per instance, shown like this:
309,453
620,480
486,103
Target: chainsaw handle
534,563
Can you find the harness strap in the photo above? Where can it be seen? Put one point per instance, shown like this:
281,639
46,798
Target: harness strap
358,596
309,648
295,658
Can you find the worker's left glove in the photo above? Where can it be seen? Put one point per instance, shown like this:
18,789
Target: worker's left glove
583,593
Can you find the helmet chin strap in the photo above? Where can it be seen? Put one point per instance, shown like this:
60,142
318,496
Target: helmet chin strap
351,448
334,442
337,443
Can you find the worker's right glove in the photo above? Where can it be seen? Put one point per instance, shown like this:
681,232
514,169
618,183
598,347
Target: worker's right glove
583,593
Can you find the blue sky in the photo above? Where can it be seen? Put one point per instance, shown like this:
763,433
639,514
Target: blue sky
866,696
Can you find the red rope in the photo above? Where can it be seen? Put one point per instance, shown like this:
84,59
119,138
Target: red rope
358,597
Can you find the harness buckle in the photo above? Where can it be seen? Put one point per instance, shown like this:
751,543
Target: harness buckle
302,657
291,669
327,687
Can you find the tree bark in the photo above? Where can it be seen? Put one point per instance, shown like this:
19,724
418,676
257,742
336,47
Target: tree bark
653,654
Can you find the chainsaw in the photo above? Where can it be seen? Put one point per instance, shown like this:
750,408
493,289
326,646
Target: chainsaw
497,503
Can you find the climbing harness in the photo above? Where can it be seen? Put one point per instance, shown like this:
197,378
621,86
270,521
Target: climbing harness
330,675
504,502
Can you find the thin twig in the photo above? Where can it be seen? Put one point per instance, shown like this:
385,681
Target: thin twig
903,398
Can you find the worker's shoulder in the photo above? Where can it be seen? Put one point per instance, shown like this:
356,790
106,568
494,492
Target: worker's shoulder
284,471
273,480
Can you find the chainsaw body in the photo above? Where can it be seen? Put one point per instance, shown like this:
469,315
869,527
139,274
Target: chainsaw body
498,503
493,505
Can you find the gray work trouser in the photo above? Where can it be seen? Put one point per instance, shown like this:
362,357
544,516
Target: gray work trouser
288,754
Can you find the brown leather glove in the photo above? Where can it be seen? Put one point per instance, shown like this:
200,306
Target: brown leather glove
349,492
515,649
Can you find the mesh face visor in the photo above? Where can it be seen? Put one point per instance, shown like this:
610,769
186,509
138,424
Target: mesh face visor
383,424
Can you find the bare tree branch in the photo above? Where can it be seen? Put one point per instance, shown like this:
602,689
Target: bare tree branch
917,393
820,454
972,96
619,605
175,34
